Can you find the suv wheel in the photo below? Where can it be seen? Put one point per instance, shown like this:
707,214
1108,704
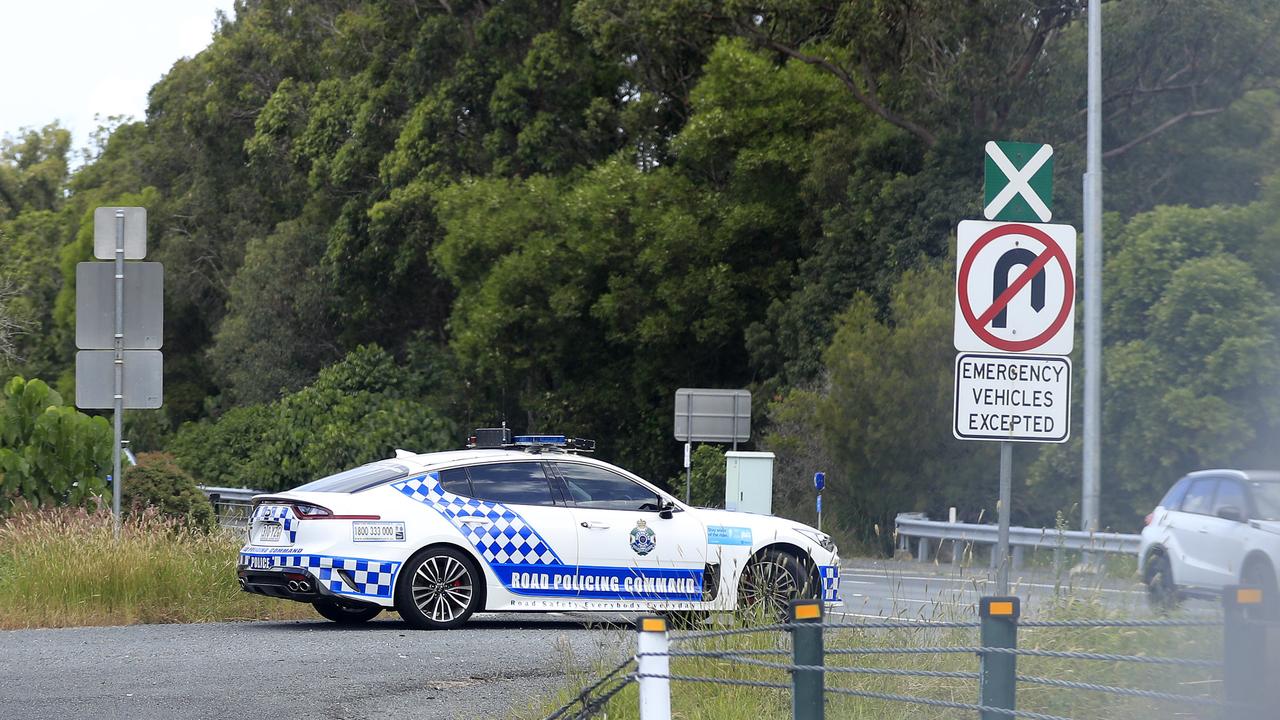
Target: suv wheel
1162,594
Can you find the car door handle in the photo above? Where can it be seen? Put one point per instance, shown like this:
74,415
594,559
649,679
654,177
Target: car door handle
593,525
1204,530
475,521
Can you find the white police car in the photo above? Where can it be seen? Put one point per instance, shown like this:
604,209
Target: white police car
519,526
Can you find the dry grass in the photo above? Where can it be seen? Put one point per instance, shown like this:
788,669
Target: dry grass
63,567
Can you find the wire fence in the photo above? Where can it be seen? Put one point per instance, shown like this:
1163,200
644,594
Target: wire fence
793,657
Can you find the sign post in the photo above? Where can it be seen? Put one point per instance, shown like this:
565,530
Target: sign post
1015,295
115,352
819,482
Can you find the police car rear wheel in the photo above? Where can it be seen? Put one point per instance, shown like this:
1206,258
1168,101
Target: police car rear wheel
768,586
344,614
438,591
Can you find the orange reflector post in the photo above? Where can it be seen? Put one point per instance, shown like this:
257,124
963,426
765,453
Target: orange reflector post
1001,608
807,611
653,624
1248,596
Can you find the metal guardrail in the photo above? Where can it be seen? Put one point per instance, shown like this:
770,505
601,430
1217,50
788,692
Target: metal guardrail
231,505
917,525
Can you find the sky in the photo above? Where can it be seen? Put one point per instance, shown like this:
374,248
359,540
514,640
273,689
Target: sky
68,60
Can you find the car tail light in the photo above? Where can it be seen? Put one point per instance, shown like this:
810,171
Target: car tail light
307,511
1147,520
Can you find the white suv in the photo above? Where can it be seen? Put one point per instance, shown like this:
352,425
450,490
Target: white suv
1213,528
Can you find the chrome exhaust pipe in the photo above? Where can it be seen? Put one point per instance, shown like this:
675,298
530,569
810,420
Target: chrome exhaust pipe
243,582
293,585
304,586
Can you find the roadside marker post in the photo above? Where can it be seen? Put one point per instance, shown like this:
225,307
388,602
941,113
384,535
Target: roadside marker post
807,696
999,671
1245,677
653,666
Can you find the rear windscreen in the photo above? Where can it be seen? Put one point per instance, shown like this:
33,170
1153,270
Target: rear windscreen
357,479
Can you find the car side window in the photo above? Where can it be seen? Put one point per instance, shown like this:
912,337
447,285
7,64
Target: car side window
1173,498
1199,498
454,480
1230,494
595,487
515,483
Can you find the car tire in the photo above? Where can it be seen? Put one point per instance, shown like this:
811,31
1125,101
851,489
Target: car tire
344,613
1162,593
768,585
439,589
1259,573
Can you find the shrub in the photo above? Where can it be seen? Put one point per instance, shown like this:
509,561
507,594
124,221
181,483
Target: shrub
50,454
157,481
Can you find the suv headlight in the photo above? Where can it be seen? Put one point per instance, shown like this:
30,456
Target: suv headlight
820,538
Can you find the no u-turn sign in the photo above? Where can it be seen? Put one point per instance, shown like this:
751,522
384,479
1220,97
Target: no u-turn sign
1015,287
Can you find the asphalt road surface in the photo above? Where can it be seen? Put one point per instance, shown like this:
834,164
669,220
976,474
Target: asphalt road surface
495,666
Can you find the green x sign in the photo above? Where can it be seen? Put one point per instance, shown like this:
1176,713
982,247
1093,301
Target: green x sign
1018,182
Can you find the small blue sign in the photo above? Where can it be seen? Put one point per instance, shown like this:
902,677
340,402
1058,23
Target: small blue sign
820,480
718,535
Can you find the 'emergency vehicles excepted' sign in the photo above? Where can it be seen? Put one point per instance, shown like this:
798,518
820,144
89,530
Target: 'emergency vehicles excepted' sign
1019,398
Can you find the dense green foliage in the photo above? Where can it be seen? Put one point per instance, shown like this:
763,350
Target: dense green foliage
50,454
157,482
357,410
554,214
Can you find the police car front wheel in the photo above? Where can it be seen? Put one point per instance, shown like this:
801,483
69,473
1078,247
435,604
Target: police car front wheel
438,589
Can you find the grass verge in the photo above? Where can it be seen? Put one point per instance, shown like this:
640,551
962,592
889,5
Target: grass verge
63,567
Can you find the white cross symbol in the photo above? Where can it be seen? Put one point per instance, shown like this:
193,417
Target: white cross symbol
1019,182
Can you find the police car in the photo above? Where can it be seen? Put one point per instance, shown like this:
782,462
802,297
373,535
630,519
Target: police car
520,524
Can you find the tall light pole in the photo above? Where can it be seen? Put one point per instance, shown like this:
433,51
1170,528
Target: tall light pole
1093,279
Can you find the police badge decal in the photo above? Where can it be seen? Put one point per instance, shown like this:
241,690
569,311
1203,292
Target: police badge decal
643,538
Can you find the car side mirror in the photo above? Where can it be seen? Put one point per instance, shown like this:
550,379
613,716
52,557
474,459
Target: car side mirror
1230,512
666,509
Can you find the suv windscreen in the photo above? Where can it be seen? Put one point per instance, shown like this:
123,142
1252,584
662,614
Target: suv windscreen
357,479
1266,500
515,483
595,487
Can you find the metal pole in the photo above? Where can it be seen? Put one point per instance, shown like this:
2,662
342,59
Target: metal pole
688,466
653,665
117,476
1092,461
1002,539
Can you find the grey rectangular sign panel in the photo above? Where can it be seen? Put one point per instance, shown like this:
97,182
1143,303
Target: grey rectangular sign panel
135,232
96,379
713,415
96,306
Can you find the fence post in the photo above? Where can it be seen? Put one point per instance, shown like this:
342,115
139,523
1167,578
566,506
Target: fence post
1244,666
807,691
652,660
998,675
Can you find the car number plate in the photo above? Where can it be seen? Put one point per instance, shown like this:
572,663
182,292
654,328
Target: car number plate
269,532
373,531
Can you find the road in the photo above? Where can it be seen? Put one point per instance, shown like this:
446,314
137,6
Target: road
927,591
494,666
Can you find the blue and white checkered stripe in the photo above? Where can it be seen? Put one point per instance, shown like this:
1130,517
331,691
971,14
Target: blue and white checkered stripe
830,582
282,514
506,538
373,578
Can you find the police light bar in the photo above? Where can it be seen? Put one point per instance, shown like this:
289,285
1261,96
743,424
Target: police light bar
559,441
